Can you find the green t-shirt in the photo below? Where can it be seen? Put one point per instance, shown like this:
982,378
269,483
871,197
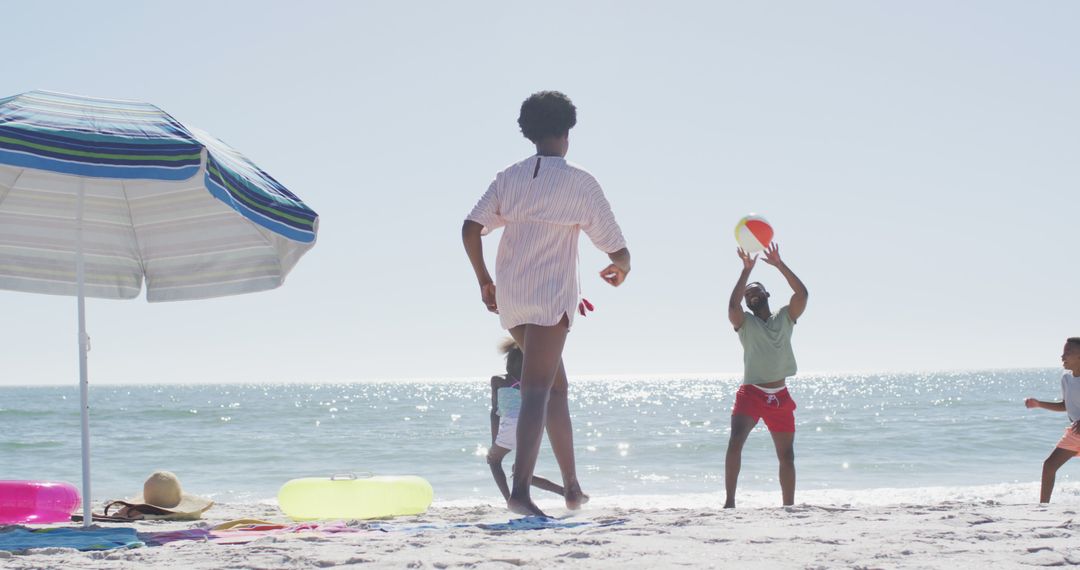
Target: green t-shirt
767,354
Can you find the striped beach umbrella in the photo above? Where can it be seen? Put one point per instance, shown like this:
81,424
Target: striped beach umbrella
98,196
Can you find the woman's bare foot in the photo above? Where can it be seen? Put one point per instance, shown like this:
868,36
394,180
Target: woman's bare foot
575,498
523,506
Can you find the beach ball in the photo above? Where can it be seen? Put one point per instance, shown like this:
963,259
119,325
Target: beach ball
753,233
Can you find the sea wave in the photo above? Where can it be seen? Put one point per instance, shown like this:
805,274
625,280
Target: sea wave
19,445
10,413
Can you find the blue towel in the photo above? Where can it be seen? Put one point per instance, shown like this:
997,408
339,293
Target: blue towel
18,539
540,523
524,523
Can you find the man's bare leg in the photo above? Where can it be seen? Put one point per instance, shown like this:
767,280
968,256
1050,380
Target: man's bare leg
740,429
785,452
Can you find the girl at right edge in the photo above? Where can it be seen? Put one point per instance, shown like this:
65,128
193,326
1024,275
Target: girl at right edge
1069,444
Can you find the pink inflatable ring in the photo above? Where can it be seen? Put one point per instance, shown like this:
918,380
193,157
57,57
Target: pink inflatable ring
37,502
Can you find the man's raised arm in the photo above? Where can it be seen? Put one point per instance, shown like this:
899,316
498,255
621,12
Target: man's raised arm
734,309
798,298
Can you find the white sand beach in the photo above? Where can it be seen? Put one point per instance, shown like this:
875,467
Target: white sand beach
946,535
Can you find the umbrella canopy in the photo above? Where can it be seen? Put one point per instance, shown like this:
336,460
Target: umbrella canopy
98,195
161,201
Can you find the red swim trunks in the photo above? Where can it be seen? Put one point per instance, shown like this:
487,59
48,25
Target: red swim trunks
778,410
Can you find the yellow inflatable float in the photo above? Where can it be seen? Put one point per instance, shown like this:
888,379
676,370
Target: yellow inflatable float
352,496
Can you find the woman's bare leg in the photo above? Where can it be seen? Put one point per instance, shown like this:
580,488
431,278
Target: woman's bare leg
542,347
560,430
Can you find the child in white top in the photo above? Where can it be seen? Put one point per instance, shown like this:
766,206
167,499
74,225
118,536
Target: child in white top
505,406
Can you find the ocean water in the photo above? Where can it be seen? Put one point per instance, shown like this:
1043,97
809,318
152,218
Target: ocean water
861,438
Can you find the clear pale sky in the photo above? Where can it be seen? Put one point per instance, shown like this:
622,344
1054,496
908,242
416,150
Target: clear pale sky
919,161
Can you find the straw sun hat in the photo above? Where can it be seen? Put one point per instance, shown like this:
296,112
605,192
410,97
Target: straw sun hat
162,498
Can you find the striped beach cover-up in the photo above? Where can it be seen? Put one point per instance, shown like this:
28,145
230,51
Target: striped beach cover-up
543,203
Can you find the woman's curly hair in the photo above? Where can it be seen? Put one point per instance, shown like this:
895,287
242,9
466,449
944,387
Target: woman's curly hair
546,114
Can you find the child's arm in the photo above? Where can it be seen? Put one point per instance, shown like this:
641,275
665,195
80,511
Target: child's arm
474,248
734,306
800,295
496,383
1052,406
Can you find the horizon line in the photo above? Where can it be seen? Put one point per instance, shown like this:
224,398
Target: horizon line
636,377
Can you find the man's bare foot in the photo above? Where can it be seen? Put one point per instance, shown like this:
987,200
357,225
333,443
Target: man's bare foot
729,504
575,498
524,507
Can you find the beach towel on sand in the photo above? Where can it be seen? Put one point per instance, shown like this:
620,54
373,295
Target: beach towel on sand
523,523
244,531
538,523
19,539
248,530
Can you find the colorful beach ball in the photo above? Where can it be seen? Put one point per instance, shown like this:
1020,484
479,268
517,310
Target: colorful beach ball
753,233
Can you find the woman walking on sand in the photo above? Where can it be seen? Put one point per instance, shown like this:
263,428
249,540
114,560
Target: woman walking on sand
543,202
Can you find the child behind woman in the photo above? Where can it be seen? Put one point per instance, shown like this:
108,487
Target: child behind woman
505,405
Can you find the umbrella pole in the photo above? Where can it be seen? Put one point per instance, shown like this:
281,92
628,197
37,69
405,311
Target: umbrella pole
84,386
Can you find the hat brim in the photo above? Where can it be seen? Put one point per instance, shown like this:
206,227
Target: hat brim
190,507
